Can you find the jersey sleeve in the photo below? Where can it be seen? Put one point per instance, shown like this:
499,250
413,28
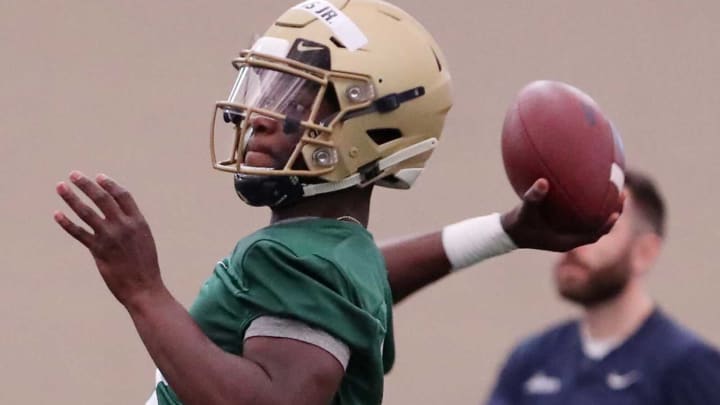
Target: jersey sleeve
271,280
694,379
310,289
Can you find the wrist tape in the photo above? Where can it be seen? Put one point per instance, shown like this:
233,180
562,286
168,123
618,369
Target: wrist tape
473,240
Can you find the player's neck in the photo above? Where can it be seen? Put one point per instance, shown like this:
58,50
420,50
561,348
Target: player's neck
352,202
620,317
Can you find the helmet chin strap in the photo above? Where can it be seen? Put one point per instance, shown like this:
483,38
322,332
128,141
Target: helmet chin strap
276,191
268,191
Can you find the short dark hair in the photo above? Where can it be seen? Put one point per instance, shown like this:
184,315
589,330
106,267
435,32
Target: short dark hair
647,198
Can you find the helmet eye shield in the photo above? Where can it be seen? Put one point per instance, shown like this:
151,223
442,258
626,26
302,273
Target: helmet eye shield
267,90
283,93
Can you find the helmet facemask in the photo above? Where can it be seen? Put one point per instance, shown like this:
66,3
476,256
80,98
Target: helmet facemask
300,97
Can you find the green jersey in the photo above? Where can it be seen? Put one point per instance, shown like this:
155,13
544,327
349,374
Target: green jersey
325,273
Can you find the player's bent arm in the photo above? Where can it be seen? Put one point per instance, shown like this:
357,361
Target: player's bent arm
416,262
413,263
271,370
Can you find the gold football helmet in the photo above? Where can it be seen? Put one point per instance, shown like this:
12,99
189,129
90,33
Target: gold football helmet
361,83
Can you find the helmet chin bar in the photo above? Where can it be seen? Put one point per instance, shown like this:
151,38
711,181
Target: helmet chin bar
278,191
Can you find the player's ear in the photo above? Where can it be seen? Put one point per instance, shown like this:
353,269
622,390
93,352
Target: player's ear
646,251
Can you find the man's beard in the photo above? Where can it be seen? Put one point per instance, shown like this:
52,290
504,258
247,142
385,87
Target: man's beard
601,285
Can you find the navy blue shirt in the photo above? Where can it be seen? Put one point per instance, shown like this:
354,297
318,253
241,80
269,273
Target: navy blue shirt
661,364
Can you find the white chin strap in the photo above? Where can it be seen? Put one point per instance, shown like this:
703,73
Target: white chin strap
392,160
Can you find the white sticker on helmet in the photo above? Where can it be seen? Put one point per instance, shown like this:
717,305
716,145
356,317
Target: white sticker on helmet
343,28
617,176
277,47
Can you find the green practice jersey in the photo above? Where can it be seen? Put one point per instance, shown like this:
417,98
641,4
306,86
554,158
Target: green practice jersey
325,273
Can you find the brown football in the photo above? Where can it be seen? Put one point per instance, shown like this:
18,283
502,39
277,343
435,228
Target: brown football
556,131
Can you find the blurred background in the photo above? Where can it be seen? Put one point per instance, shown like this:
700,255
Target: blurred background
128,88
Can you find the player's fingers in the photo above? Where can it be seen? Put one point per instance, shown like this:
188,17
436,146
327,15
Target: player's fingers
85,213
123,197
77,232
537,192
97,194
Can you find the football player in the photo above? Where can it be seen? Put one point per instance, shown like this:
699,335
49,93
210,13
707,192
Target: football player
335,98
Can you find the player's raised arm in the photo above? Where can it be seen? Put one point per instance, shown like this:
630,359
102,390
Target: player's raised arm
277,371
418,261
563,157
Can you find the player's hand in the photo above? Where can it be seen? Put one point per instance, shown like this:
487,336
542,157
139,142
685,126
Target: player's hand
528,229
121,242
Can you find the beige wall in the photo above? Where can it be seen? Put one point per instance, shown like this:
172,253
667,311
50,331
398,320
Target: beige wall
127,87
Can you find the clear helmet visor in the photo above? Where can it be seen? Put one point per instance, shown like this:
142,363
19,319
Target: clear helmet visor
265,99
274,91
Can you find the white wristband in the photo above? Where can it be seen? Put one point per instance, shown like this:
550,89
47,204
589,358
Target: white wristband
475,239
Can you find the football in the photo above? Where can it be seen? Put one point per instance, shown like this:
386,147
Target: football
556,131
